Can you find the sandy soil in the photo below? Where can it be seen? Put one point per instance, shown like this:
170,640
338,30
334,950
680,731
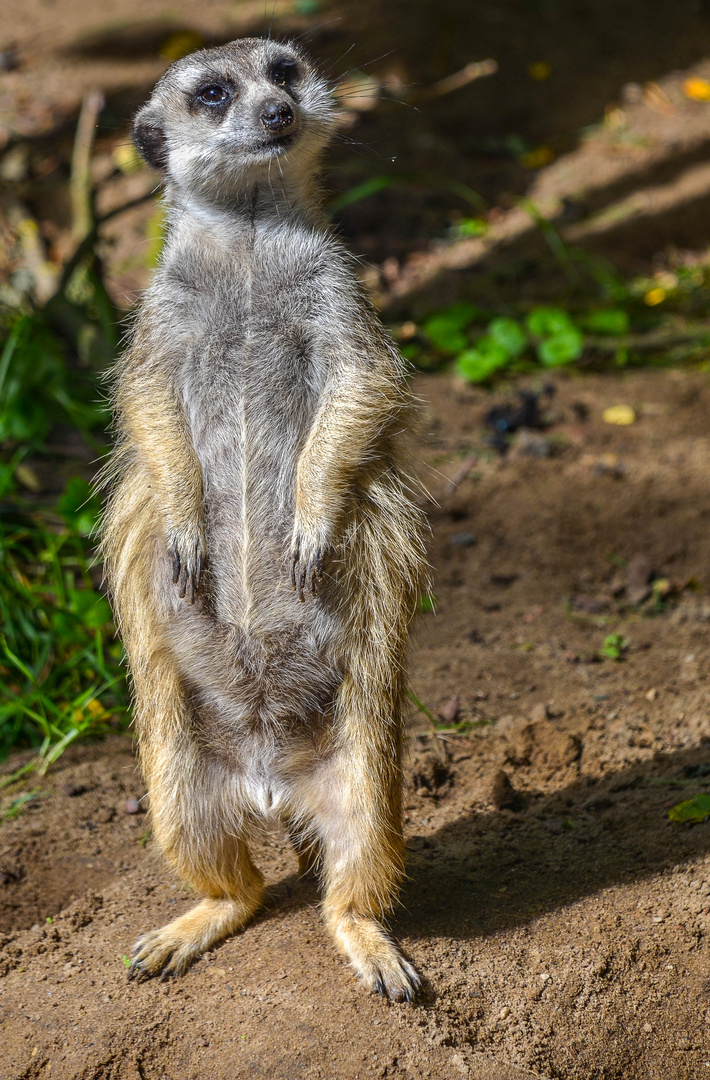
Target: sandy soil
561,919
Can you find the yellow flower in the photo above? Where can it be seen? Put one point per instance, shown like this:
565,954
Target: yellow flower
619,414
697,89
654,296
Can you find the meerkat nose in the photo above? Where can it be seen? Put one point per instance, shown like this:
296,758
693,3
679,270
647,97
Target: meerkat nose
277,116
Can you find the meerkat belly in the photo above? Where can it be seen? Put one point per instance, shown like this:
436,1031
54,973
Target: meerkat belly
261,655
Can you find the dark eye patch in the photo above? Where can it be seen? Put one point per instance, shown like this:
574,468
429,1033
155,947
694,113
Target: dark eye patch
283,72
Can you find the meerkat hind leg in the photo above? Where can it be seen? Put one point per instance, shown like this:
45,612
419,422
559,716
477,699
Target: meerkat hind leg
171,949
308,850
362,857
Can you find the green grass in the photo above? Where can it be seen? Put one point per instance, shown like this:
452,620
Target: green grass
61,673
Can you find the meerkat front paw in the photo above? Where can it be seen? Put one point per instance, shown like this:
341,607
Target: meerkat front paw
188,551
308,554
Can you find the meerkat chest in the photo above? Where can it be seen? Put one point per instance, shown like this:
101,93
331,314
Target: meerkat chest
251,367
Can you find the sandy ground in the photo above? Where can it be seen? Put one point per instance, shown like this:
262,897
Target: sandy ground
561,919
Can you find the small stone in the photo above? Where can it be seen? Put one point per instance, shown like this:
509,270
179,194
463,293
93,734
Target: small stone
462,539
504,1013
448,713
606,465
638,576
538,713
132,806
531,444
502,793
651,694
648,1028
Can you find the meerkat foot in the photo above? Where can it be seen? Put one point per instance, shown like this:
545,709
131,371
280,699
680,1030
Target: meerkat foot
378,962
172,948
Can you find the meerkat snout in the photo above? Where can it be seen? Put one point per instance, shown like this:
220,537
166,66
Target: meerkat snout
276,116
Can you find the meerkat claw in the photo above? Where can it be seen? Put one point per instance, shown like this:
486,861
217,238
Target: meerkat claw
136,973
306,570
315,571
187,573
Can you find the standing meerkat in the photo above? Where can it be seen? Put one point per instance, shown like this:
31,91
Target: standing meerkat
263,552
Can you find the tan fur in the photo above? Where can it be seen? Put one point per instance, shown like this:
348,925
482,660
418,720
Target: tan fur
262,548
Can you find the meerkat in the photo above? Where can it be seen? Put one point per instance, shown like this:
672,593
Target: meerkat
263,550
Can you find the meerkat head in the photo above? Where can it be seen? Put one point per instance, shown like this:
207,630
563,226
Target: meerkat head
219,119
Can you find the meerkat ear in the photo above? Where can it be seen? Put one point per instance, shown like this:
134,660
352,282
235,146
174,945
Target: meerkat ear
150,140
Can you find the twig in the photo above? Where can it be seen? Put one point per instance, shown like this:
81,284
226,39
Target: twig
80,181
655,339
477,69
459,476
90,239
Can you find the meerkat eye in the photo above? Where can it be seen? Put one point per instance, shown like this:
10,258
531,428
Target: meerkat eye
214,95
283,72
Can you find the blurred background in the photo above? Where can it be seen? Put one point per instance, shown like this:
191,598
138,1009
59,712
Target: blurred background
526,183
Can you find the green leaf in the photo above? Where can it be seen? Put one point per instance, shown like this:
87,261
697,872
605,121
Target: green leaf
471,226
509,334
547,322
614,647
614,321
445,329
411,351
561,349
477,365
695,809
